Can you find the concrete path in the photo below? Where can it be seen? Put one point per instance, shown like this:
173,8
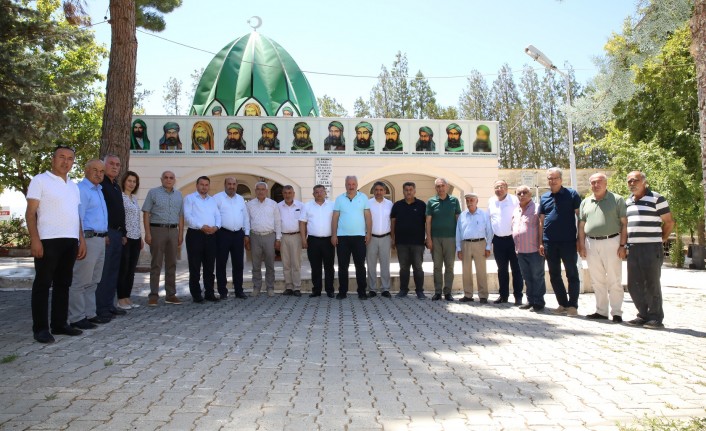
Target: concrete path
288,363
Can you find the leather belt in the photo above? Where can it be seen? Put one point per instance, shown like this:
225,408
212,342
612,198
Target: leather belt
170,226
261,233
475,239
92,233
604,237
381,236
319,237
233,231
290,233
503,237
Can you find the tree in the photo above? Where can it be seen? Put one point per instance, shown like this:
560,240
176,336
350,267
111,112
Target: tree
423,100
140,96
381,103
475,98
532,125
440,112
329,107
125,17
401,97
361,109
507,109
195,79
173,93
48,69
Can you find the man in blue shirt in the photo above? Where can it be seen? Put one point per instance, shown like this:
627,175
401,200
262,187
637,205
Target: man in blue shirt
93,213
558,209
351,229
474,237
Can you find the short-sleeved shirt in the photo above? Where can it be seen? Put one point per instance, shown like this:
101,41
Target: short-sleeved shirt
380,214
290,215
351,218
500,212
410,222
57,213
92,210
164,207
645,217
559,211
443,214
317,218
602,217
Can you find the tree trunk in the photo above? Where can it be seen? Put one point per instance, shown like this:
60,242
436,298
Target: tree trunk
698,51
120,86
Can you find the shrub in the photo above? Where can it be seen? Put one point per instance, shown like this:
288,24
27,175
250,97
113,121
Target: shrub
14,233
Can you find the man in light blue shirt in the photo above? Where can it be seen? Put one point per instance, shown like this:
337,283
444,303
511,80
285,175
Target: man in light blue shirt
351,229
203,220
93,213
474,236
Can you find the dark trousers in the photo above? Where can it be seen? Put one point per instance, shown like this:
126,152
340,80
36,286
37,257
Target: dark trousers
411,255
532,267
556,253
320,252
53,270
106,291
347,246
504,252
230,244
128,263
644,271
201,252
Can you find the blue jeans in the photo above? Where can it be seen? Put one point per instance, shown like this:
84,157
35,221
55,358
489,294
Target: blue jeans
532,267
556,254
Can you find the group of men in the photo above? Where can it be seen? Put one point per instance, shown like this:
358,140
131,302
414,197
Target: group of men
77,232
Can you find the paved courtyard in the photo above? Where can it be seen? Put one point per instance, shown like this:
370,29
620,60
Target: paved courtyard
287,363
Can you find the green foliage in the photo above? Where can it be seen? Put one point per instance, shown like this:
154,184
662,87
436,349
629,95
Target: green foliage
173,93
423,97
149,13
329,107
676,253
14,233
666,424
361,109
9,358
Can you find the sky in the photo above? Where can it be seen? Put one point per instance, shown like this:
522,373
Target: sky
445,39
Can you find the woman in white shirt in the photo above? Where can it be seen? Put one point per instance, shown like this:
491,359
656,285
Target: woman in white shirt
131,250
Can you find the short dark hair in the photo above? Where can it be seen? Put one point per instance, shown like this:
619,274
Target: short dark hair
63,147
409,184
203,177
137,181
319,186
379,183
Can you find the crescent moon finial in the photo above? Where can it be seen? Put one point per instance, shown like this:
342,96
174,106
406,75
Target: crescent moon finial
257,20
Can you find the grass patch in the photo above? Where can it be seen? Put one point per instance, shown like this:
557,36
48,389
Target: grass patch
108,362
9,358
50,397
666,424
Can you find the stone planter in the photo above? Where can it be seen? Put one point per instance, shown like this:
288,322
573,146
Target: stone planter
15,252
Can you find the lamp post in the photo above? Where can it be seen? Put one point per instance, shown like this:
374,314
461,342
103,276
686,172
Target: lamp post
542,59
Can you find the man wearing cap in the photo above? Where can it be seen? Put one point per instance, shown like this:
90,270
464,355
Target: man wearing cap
473,236
87,272
217,111
363,140
170,140
302,140
392,137
380,244
482,143
501,206
269,140
426,139
234,139
335,140
441,215
138,137
453,143
202,136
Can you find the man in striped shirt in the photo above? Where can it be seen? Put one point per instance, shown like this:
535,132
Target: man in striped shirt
649,225
527,236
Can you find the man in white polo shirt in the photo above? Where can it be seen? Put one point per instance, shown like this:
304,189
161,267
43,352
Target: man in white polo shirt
291,248
380,243
315,231
56,241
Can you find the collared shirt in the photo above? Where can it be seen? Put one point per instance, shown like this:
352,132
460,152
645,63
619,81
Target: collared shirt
351,219
201,211
380,213
92,210
410,221
443,214
164,207
264,217
474,226
559,210
603,216
234,214
290,215
525,228
132,216
57,213
114,202
317,218
501,214
645,217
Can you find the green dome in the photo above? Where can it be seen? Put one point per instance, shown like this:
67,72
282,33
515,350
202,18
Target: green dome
254,69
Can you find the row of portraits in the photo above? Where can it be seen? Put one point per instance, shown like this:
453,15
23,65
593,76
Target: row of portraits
348,136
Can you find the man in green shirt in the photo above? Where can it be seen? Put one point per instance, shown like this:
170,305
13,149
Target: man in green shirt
441,214
602,232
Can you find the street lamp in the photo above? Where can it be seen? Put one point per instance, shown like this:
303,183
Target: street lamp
542,59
